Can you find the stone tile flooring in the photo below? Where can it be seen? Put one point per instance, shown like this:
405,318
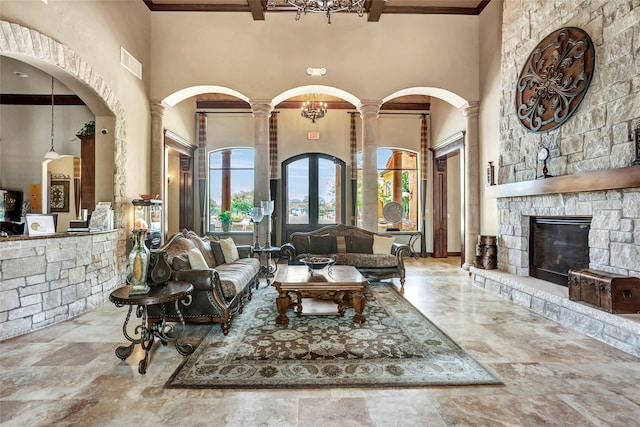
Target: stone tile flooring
67,374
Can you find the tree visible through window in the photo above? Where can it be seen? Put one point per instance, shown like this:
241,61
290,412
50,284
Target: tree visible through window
231,187
397,182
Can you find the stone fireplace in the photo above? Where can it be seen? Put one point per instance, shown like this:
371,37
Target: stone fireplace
556,245
612,241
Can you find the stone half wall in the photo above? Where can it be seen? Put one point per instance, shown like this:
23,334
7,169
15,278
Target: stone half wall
614,236
47,280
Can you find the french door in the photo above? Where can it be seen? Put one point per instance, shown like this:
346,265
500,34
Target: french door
313,192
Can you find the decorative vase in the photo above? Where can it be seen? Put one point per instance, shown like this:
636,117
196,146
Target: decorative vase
159,269
138,264
225,225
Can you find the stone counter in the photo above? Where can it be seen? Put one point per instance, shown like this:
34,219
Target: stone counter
48,279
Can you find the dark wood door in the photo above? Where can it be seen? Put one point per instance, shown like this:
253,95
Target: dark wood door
440,207
186,192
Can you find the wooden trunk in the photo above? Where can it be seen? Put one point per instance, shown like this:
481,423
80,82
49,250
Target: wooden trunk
609,292
486,253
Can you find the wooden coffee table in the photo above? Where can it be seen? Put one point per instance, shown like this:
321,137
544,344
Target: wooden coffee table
342,284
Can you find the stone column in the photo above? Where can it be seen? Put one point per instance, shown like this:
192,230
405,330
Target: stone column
369,110
156,161
261,111
471,183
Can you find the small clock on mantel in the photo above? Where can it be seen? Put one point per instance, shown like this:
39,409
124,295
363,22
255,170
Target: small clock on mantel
543,155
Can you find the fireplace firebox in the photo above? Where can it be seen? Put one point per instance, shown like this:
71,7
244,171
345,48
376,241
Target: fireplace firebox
556,245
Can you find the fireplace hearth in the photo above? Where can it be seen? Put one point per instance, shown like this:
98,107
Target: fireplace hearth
558,244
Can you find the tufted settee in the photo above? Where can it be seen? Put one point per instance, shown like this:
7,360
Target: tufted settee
375,255
222,286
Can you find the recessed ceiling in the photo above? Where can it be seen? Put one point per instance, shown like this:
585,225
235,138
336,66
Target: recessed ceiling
374,8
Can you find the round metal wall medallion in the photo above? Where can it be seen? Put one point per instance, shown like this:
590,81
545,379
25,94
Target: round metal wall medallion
554,79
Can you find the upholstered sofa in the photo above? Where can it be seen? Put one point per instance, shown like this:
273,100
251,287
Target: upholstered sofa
375,255
222,279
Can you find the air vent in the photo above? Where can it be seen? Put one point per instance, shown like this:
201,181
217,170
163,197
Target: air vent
129,62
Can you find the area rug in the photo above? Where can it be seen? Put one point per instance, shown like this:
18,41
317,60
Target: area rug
397,346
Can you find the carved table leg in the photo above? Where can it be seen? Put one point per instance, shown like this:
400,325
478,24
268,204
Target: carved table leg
358,307
282,301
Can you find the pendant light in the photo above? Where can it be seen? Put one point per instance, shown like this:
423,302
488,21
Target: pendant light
51,154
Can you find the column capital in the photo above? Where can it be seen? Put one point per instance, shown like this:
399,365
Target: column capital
369,107
158,108
471,109
261,107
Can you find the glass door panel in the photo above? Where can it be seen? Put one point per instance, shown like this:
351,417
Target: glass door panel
297,196
328,182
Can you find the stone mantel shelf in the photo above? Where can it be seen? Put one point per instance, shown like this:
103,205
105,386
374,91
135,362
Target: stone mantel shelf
610,179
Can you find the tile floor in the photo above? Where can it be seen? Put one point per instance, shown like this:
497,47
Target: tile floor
67,374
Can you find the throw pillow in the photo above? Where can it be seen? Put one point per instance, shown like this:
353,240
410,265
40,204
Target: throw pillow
217,252
322,244
362,245
196,259
341,244
382,245
229,250
180,262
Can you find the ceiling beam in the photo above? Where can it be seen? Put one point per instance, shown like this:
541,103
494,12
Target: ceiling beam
257,9
195,7
331,105
375,10
20,99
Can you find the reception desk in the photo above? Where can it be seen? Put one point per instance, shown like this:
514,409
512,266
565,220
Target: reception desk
48,279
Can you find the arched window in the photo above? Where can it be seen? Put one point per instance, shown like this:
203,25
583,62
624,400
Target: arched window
397,182
231,187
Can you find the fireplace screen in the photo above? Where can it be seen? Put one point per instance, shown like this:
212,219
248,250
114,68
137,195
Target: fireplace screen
556,245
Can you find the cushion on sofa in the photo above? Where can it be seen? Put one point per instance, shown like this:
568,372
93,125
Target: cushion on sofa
235,276
180,262
196,259
229,250
217,252
203,244
341,245
382,244
361,245
324,244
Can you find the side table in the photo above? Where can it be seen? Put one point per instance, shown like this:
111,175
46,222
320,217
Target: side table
145,334
267,268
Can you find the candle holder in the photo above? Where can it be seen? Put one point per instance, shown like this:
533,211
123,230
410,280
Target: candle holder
491,174
636,136
256,217
267,210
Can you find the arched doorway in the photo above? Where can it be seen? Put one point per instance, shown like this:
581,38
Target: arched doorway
313,192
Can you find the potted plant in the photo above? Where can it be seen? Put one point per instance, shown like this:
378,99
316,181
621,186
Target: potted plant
225,219
89,128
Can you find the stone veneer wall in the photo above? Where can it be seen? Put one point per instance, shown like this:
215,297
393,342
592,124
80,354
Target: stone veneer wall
48,280
599,136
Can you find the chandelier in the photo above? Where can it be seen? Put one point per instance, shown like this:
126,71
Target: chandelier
325,6
313,110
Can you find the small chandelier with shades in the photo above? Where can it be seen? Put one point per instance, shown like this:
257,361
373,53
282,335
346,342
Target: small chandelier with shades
313,109
323,6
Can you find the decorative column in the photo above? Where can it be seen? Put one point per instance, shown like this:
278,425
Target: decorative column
261,111
369,110
471,184
156,162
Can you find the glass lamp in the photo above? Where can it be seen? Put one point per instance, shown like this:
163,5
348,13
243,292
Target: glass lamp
256,217
267,210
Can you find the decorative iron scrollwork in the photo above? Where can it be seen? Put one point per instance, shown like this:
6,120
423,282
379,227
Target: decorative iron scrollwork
555,79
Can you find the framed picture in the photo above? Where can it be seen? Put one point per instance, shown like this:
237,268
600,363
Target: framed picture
59,195
40,225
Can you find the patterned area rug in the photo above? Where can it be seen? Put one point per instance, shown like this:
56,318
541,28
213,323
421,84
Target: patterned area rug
397,346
